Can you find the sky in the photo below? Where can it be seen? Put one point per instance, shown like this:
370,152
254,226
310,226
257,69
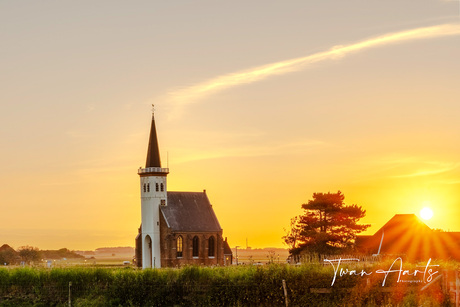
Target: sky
261,103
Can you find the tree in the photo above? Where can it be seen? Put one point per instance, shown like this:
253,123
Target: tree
29,254
327,226
292,236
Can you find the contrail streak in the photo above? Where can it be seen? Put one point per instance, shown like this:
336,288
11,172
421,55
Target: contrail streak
195,92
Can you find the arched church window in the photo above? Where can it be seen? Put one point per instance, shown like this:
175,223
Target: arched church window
195,246
157,187
211,247
145,187
179,246
148,187
162,187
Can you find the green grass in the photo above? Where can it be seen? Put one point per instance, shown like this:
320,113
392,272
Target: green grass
206,286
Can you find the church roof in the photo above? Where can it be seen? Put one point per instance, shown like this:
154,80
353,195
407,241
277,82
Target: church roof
190,212
153,153
227,249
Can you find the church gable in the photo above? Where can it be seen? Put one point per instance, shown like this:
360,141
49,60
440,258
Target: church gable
190,212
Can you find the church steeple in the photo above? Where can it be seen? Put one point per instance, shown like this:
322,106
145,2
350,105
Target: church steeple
153,152
153,195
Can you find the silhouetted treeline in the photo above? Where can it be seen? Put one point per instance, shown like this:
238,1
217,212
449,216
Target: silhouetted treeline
29,254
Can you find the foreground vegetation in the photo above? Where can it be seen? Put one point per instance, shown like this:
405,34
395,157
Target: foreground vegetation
205,286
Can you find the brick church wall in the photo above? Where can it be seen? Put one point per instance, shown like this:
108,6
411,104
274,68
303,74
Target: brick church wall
168,243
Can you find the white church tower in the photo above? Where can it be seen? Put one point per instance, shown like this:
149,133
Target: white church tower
153,195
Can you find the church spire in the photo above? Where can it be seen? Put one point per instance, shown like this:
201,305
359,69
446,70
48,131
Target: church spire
153,152
153,195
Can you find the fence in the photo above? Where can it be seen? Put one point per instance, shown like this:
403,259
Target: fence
452,285
311,258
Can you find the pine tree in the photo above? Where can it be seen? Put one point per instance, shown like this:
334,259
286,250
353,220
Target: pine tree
328,226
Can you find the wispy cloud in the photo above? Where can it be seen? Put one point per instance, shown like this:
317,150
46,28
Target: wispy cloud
411,166
417,167
435,170
196,92
295,147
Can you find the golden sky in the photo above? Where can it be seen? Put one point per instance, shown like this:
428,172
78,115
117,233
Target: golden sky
261,104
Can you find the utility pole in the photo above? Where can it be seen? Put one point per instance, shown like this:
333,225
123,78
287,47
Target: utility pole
236,249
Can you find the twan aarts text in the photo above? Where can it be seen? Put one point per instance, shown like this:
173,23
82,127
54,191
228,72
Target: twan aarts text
421,276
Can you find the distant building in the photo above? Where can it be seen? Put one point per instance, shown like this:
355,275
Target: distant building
408,236
177,227
8,255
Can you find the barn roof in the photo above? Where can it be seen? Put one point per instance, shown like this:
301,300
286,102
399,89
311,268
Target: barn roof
407,234
396,234
190,212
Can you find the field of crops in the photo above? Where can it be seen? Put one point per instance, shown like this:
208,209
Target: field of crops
216,286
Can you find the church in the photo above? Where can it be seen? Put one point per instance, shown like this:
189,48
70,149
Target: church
178,228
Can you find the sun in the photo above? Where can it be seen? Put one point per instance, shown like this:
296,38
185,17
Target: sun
426,213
